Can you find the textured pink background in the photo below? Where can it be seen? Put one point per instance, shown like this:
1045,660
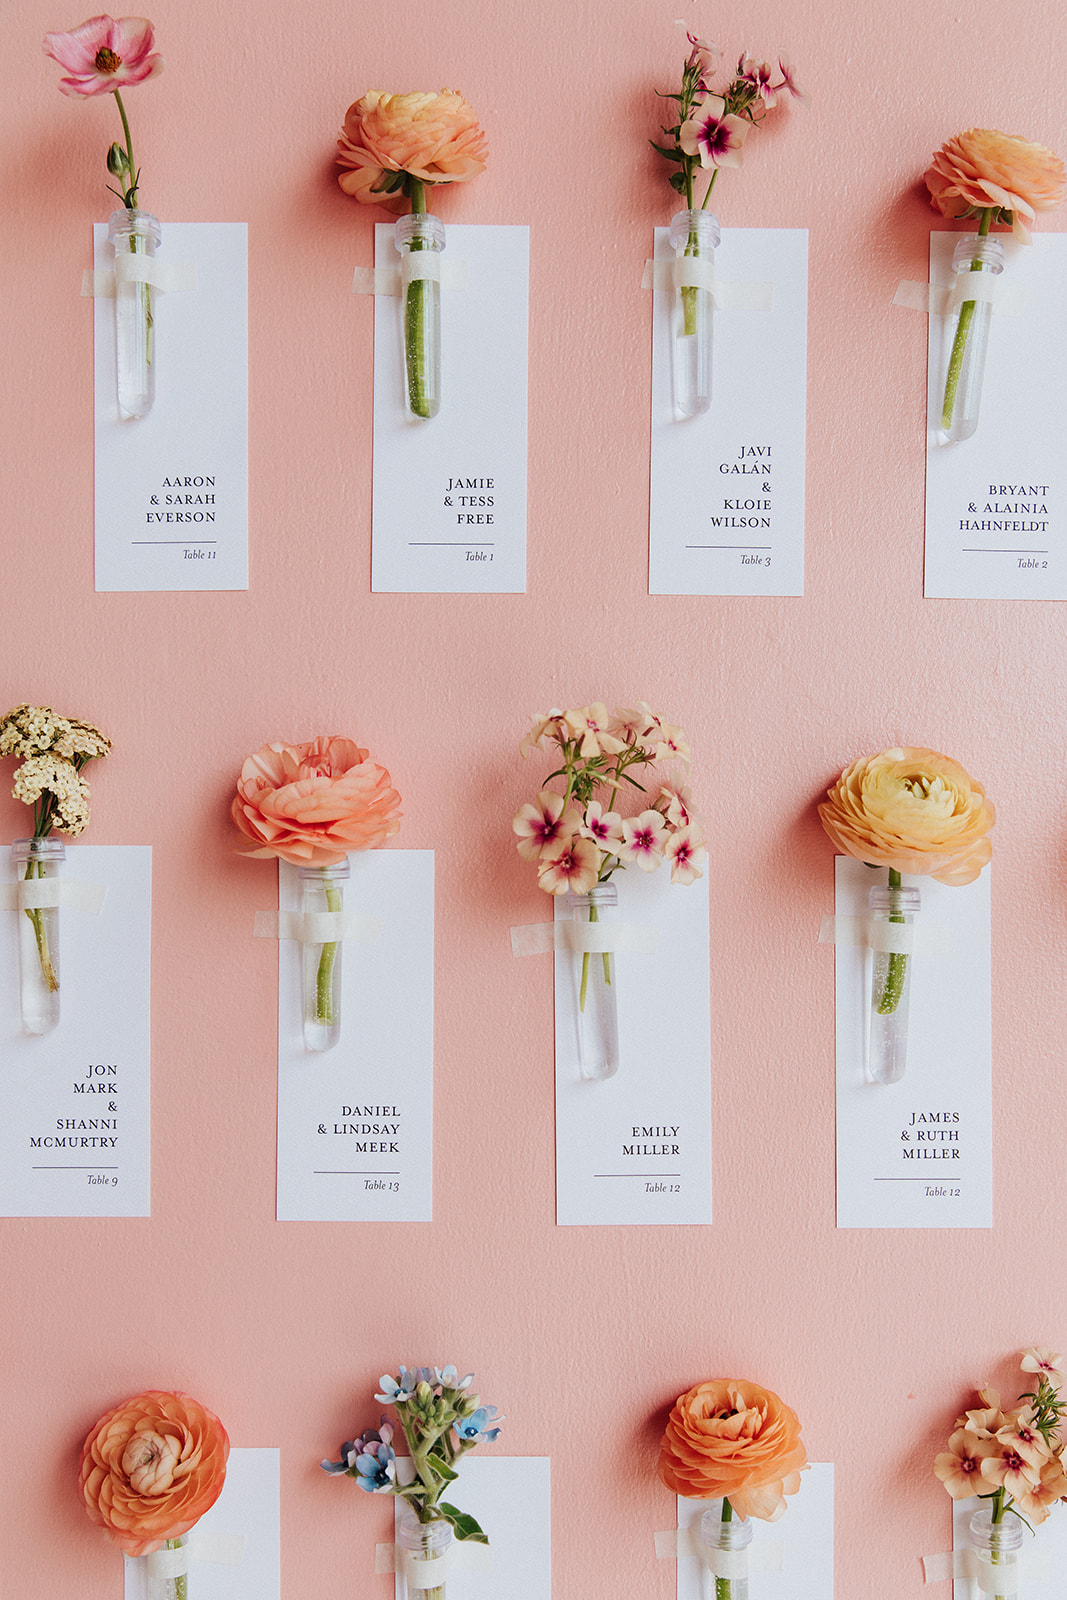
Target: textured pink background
584,1337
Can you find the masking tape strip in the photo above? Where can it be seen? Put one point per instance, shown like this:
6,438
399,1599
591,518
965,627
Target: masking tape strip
317,927
892,938
939,299
584,938
36,894
676,1543
170,277
464,1555
696,272
389,281
1002,1579
220,1549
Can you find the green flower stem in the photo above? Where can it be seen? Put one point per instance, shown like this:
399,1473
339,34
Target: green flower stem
35,869
327,959
178,1587
594,916
690,291
896,967
959,343
416,300
999,1508
724,1587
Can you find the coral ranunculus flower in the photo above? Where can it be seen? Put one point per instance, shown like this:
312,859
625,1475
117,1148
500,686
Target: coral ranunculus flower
103,54
151,1468
433,137
984,169
312,803
728,1438
914,810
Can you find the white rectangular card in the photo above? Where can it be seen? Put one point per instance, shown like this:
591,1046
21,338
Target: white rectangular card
235,1548
355,1123
1042,1561
727,487
449,495
996,504
918,1153
75,1135
636,1148
792,1559
510,1497
172,487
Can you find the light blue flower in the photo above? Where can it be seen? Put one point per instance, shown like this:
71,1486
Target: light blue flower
376,1469
473,1430
396,1390
449,1378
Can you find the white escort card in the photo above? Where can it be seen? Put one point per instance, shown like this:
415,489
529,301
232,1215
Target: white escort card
172,486
727,487
918,1153
996,503
510,1498
234,1552
355,1123
792,1559
636,1148
1041,1562
75,1134
449,493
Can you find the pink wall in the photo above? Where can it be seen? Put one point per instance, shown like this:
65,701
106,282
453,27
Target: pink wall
583,1336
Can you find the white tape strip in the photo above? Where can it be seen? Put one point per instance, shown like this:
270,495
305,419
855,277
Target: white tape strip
162,1565
939,299
219,1549
387,280
698,272
594,938
35,894
673,1544
170,277
966,1565
463,1555
317,927
893,938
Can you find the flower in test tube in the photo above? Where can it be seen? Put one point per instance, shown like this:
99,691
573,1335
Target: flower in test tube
731,1438
433,138
983,169
644,839
713,134
312,803
103,55
545,825
574,869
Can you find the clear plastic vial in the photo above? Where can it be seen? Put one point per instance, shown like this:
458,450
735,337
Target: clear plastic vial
694,236
966,341
134,233
727,1546
322,890
996,1547
420,238
424,1546
595,988
890,987
37,860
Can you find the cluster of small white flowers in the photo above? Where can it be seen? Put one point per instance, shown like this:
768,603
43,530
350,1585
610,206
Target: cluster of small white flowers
35,730
57,776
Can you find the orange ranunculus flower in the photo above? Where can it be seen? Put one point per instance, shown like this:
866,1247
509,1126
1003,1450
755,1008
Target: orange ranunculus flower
434,137
151,1468
914,810
313,803
985,169
731,1439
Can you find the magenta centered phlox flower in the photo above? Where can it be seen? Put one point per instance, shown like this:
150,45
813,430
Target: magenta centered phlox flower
105,54
713,135
544,827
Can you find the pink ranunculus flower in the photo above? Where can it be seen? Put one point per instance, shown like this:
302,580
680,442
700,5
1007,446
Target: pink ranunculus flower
435,138
312,803
103,55
984,169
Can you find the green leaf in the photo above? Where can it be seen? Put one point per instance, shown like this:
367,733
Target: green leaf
440,1469
463,1524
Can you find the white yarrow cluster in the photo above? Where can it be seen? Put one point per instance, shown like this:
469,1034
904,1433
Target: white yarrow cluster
53,751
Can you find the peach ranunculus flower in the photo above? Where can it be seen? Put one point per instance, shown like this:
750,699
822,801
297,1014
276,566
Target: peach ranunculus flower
433,138
151,1467
312,803
731,1439
986,170
913,810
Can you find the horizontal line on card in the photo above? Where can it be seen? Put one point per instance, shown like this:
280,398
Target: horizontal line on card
343,1172
729,547
927,1177
174,541
637,1174
453,544
94,1166
991,550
